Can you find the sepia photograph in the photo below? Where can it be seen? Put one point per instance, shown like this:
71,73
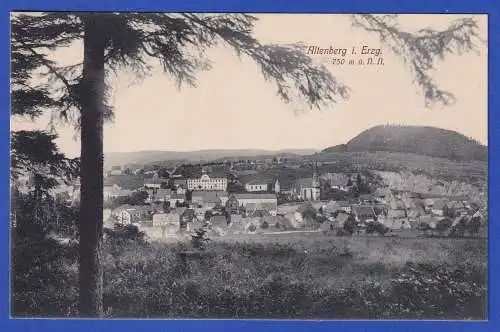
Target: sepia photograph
248,166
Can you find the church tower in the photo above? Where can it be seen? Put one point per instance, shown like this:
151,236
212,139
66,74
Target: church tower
316,187
277,187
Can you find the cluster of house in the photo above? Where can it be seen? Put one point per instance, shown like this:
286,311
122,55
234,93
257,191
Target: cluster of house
402,210
205,207
188,203
185,204
172,209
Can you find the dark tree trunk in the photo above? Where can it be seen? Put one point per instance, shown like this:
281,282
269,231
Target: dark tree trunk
91,222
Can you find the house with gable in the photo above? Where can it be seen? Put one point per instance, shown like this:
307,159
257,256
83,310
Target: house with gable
364,214
339,181
439,207
209,199
266,201
256,186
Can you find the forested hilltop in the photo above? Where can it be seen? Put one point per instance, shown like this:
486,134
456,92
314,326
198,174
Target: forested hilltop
422,140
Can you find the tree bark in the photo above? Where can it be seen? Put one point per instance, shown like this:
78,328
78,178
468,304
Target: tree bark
91,172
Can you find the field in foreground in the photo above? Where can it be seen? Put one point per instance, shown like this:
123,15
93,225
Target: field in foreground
288,277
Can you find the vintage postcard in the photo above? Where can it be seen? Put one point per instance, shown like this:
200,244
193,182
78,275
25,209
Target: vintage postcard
249,166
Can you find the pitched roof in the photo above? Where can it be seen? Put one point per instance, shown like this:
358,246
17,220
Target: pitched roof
439,204
413,202
367,197
478,214
397,204
383,192
218,220
331,206
155,181
211,200
396,223
175,195
339,181
196,224
379,209
143,208
180,182
254,196
266,206
458,219
429,219
166,217
428,202
363,211
343,203
396,214
209,193
163,192
456,205
256,182
236,218
304,183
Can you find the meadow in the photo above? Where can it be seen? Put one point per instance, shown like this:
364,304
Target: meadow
292,276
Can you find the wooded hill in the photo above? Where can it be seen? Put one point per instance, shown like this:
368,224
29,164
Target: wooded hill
422,140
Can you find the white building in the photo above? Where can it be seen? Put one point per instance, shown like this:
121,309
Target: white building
115,170
115,191
207,183
255,186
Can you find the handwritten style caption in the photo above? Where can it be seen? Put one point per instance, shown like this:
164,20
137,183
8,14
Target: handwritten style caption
354,56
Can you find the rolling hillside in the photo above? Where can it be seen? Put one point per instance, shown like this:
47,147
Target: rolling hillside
148,157
421,140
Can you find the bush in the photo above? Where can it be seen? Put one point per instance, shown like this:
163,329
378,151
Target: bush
350,226
123,233
200,239
44,278
250,280
443,225
427,290
376,227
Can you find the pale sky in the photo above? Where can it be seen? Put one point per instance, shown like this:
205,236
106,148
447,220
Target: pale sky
234,108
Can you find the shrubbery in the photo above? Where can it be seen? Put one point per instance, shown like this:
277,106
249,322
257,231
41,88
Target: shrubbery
124,233
376,227
247,280
199,239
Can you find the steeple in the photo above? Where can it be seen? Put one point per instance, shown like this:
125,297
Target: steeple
315,179
316,187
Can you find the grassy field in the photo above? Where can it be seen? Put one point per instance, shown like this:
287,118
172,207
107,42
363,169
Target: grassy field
288,276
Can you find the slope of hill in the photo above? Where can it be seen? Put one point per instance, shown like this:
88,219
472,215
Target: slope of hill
147,157
429,141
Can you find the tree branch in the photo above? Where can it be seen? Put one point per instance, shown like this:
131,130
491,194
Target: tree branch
419,50
51,68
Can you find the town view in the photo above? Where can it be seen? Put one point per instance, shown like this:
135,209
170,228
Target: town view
215,166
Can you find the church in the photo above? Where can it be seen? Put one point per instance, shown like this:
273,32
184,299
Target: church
308,189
